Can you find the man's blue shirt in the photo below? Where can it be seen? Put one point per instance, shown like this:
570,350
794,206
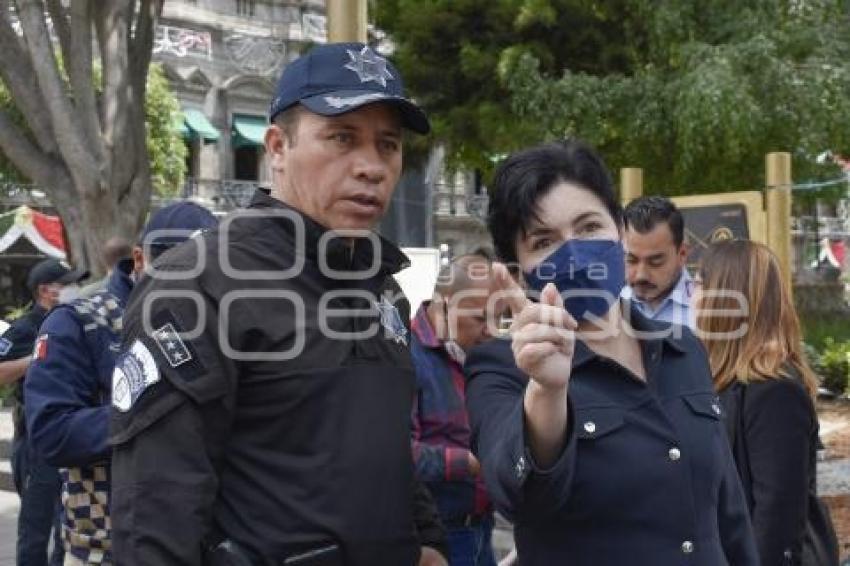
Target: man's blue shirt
675,307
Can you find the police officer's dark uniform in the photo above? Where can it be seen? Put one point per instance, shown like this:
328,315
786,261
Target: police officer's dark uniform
18,340
68,388
36,481
240,427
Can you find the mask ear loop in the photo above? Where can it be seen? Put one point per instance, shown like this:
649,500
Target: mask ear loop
448,337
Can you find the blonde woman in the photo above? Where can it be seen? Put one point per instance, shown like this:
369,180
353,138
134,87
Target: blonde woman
767,390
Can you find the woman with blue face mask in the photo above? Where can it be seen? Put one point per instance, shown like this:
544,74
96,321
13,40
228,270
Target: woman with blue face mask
598,431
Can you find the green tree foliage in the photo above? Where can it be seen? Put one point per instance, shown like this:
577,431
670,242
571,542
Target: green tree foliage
8,172
694,92
165,145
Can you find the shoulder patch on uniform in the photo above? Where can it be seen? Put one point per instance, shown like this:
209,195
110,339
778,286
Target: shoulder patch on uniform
5,346
172,347
39,352
134,372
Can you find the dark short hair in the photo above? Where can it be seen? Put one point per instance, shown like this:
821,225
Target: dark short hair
525,177
645,213
287,120
115,249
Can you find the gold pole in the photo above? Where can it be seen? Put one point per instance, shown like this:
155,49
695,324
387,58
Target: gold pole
347,20
631,184
778,181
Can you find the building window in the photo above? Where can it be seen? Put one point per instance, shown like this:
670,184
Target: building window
245,7
246,163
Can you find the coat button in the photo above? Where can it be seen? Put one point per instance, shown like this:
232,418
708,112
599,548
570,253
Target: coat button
590,427
716,408
687,547
674,454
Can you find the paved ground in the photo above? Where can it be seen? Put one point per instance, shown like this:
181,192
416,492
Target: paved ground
834,471
8,527
833,481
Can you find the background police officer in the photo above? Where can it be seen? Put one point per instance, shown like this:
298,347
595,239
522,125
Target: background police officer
262,407
68,385
50,281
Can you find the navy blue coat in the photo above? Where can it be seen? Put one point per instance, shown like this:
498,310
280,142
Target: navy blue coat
68,384
17,342
646,475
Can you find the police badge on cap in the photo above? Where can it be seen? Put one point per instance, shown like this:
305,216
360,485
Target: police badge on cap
337,78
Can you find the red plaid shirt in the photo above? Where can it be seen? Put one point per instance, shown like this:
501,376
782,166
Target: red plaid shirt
441,428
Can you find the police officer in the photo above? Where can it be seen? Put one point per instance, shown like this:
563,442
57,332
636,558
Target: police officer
261,411
68,386
50,281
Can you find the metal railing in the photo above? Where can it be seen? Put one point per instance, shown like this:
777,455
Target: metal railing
827,226
224,193
17,194
450,203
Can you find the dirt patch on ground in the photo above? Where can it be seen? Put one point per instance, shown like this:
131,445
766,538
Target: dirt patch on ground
835,433
835,428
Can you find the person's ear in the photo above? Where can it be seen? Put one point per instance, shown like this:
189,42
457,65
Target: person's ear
138,260
276,144
683,253
42,292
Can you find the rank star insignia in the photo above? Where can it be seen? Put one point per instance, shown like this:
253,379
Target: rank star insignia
369,66
171,346
391,321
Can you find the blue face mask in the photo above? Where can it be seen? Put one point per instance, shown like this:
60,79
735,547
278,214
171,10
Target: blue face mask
589,274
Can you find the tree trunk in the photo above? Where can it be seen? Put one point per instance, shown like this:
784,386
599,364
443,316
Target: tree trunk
88,151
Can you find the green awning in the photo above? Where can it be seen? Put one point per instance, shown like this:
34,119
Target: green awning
249,130
198,125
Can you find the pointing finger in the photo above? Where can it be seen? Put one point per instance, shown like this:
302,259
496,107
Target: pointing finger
551,297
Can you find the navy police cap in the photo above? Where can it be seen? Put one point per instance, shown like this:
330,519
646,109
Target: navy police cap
176,223
336,78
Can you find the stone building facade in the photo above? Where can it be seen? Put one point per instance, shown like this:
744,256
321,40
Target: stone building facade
222,59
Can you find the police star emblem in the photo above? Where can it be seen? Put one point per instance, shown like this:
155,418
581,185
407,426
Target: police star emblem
369,66
391,321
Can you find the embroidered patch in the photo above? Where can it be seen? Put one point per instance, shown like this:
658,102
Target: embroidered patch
369,66
344,102
5,346
172,347
391,321
135,371
39,352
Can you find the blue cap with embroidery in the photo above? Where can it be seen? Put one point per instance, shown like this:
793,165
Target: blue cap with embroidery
336,78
